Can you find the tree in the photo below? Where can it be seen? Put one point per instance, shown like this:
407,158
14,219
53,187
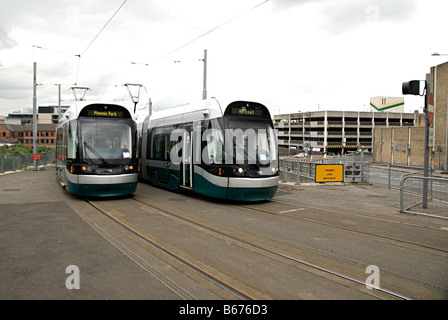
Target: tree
20,148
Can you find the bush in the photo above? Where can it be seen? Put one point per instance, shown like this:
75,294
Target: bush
20,148
44,149
4,150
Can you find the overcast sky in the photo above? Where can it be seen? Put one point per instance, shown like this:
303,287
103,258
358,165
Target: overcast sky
290,55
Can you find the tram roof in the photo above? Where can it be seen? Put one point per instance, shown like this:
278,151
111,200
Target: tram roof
205,109
77,106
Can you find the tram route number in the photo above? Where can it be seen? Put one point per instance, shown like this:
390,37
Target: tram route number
234,309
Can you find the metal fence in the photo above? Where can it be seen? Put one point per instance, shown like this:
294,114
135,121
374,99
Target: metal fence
433,202
303,170
13,162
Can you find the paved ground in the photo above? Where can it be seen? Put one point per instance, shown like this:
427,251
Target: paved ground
40,236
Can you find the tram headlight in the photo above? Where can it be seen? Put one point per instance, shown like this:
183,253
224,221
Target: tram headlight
239,171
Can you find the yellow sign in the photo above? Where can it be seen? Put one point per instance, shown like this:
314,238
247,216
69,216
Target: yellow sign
329,173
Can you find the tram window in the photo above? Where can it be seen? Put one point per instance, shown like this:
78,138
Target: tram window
214,143
161,144
59,143
72,140
109,140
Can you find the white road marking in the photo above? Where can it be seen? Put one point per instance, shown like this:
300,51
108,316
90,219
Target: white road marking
299,209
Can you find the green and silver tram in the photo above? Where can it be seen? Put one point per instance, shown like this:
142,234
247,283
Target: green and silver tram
97,150
226,151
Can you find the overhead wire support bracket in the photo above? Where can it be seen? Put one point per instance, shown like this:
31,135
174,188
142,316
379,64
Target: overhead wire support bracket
83,90
135,98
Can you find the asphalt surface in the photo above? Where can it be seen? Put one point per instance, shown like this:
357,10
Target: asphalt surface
41,236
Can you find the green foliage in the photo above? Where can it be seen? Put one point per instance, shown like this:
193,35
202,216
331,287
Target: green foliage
44,149
4,150
20,148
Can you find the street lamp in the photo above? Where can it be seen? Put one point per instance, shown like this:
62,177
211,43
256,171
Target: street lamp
413,88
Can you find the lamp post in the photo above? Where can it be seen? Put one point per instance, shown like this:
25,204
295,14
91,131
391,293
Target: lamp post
34,114
204,90
413,88
204,79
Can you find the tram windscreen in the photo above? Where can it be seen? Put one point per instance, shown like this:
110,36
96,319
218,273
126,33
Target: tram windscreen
103,139
253,141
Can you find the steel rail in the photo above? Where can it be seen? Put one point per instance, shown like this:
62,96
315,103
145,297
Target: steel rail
275,252
184,263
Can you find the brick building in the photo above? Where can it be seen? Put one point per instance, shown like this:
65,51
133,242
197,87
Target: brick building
406,147
17,133
17,127
439,97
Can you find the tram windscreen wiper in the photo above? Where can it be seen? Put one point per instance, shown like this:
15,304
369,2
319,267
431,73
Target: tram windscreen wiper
244,152
97,154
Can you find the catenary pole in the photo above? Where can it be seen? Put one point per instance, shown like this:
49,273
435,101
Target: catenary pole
204,91
34,114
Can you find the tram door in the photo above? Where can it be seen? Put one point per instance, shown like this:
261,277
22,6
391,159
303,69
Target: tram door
187,152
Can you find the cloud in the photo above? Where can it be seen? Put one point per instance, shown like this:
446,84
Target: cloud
287,4
346,15
6,42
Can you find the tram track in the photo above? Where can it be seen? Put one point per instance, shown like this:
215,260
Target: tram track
350,229
271,251
238,294
354,262
380,237
233,288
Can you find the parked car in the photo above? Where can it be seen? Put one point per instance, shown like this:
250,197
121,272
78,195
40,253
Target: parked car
301,155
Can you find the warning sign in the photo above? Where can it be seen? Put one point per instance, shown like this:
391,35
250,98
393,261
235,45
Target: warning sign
431,108
329,173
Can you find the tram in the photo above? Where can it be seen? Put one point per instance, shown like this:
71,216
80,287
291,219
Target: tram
220,150
97,153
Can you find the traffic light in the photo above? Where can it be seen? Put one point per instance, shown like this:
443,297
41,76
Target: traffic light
411,87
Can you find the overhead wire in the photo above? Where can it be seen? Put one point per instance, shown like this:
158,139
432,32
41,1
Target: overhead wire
206,33
93,40
79,56
104,27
